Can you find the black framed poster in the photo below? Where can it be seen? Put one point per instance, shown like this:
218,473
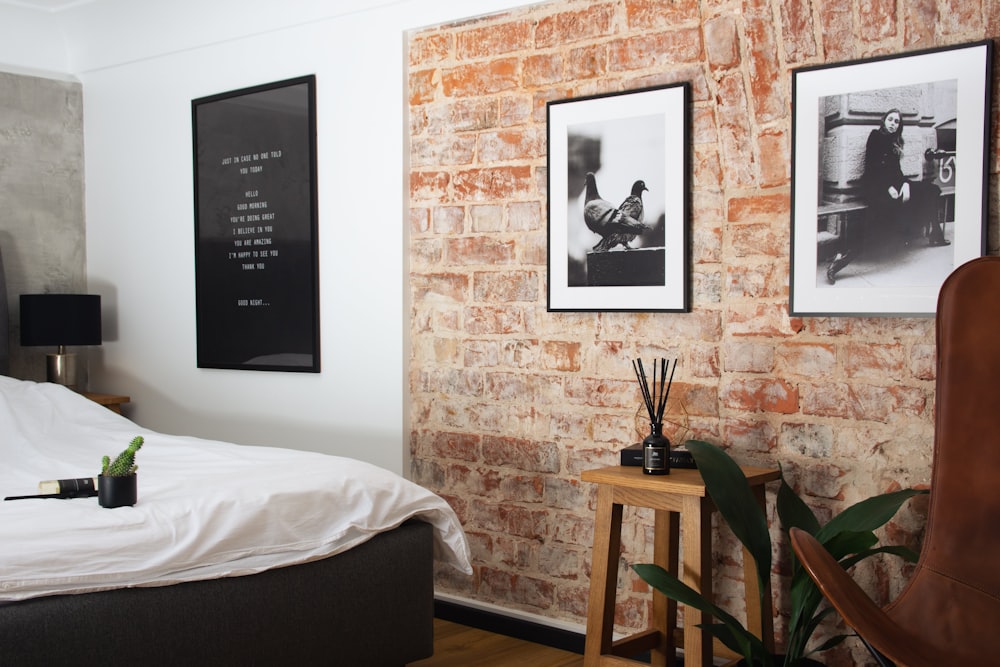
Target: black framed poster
256,255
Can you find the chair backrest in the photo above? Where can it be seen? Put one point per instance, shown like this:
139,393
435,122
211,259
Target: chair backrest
963,527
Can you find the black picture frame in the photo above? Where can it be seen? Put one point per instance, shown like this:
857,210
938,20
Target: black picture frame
620,138
255,213
855,249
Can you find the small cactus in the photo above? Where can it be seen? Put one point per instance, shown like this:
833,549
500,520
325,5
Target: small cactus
124,463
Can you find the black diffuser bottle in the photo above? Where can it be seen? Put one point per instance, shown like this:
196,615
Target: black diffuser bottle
656,446
656,452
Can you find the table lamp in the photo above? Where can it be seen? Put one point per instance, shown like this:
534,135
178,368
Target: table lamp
61,320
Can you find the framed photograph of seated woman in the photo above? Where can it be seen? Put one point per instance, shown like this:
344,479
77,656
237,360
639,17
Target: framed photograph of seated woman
889,179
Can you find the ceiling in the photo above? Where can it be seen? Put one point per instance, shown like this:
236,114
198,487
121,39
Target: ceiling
49,6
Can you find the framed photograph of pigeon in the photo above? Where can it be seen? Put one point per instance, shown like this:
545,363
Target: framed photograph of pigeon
618,169
256,255
889,179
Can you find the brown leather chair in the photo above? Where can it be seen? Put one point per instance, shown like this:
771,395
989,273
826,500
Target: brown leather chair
949,612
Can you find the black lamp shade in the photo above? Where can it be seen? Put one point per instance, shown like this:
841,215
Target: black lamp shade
60,319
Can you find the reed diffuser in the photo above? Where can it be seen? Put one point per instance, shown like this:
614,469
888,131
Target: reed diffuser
656,446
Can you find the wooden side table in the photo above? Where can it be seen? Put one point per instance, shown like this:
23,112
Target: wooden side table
112,402
680,502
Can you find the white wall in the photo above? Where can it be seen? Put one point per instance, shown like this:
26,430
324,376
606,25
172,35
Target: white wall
140,69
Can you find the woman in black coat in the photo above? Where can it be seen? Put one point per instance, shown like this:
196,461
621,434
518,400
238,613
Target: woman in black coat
903,207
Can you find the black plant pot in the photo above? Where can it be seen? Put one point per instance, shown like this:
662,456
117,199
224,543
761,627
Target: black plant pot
117,491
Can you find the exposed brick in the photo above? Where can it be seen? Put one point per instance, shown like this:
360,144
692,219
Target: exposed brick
823,480
760,395
426,185
657,14
492,40
423,85
746,209
876,19
481,353
448,220
921,23
748,357
543,69
450,286
481,320
461,446
518,589
769,102
510,403
505,287
497,183
574,26
775,160
429,48
419,220
923,362
829,399
560,356
472,250
867,360
533,389
838,33
587,62
808,359
466,481
758,239
664,49
759,281
511,144
476,79
721,42
463,115
524,216
797,33
738,161
749,436
440,150
813,440
760,320
522,488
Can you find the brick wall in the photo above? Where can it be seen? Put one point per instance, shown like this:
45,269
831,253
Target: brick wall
509,402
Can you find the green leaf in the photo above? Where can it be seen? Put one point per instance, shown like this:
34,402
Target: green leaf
792,510
730,491
738,638
849,542
866,515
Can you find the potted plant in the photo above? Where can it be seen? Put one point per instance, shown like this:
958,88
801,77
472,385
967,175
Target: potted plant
848,536
116,485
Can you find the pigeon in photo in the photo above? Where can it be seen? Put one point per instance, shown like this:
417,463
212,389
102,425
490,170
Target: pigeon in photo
632,207
611,224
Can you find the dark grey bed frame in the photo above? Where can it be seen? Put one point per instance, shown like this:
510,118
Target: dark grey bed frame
372,606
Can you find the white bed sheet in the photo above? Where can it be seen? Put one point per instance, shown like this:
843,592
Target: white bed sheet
206,509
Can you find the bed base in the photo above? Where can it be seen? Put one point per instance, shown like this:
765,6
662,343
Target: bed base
372,605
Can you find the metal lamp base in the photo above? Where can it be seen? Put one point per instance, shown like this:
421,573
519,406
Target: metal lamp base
61,368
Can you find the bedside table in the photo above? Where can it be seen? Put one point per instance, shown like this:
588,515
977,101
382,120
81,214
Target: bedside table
112,402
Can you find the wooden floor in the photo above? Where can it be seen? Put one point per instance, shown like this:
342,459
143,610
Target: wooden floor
460,646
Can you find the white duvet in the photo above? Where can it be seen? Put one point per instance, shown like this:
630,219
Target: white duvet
206,509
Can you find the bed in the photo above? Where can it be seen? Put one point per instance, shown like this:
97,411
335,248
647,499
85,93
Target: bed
233,554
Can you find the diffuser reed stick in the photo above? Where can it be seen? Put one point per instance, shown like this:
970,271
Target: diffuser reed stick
655,399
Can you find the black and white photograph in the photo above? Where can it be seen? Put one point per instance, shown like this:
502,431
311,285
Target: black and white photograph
888,188
256,253
618,183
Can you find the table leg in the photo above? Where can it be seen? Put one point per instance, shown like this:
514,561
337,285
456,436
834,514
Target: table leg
665,544
697,528
603,577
